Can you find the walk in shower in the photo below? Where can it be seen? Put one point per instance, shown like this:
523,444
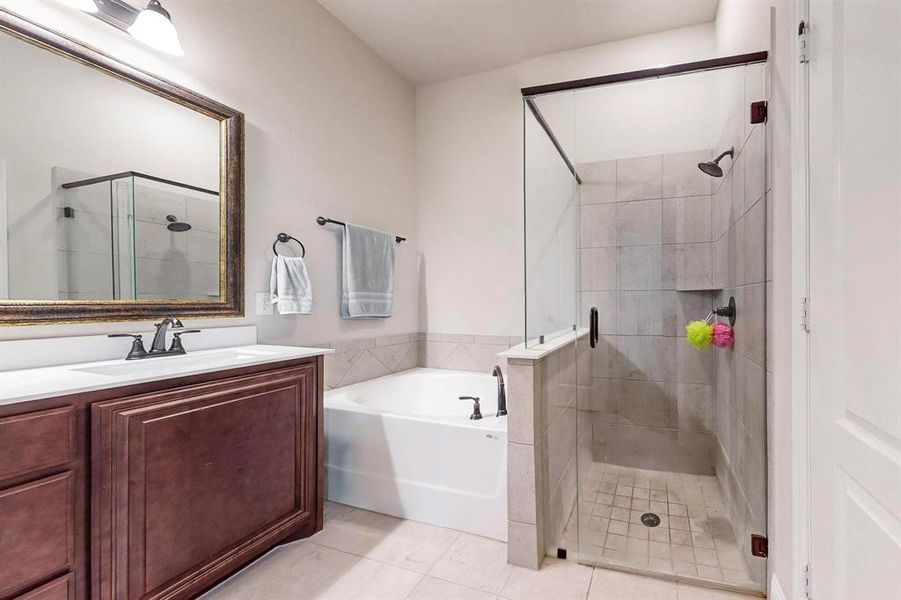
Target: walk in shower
645,200
133,236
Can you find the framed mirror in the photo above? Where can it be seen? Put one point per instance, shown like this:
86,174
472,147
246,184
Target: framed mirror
121,194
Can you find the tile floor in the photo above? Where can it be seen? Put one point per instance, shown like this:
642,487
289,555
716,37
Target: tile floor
362,555
694,539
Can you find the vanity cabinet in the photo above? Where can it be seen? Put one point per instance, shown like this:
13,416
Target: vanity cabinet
189,480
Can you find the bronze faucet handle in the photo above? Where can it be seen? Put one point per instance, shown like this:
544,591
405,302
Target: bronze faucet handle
176,346
137,346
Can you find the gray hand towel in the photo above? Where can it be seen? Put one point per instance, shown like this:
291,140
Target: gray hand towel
289,286
367,277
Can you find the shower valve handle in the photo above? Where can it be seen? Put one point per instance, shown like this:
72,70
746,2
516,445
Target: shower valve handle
476,411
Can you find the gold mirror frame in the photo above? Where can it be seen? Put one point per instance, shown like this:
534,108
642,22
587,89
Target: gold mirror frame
231,156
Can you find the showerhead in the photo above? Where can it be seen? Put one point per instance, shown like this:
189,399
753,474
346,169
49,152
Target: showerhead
712,167
175,224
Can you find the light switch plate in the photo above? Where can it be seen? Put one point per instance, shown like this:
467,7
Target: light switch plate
264,304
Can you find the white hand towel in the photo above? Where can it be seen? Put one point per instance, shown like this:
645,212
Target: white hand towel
289,286
367,274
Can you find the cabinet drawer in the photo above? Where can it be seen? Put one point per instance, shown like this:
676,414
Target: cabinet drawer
37,539
61,588
36,441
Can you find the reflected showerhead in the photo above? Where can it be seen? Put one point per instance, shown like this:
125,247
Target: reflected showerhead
712,167
175,224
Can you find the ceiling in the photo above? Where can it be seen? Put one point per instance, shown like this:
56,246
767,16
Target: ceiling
434,40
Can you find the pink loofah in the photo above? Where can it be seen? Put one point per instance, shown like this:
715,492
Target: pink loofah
723,335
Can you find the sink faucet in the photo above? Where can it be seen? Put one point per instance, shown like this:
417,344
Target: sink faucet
159,338
158,346
501,392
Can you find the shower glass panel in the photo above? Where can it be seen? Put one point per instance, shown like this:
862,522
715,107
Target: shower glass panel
671,443
149,239
551,222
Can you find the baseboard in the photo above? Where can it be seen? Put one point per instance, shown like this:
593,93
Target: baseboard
776,592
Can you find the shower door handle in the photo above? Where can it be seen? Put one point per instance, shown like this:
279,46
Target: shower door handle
593,326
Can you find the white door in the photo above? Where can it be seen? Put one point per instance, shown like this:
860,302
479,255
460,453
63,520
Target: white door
855,299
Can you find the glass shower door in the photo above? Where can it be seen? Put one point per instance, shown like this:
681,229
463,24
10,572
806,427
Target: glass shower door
552,304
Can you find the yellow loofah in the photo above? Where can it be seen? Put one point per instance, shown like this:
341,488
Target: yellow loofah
699,334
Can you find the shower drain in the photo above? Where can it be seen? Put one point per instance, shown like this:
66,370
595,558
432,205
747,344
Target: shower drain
650,520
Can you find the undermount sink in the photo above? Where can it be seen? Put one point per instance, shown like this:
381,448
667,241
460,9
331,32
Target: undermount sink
171,364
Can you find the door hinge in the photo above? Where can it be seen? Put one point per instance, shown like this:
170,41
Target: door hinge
807,582
803,57
758,112
760,546
805,314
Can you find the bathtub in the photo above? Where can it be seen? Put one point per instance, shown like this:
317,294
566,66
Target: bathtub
404,445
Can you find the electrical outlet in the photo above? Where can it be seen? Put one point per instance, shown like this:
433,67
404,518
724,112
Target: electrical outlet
264,304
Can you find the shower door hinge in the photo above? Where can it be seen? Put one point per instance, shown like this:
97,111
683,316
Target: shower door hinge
758,112
760,545
805,314
802,42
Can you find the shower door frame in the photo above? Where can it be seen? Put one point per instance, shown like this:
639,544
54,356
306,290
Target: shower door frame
530,93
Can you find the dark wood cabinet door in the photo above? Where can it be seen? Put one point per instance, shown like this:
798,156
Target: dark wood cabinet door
36,532
61,588
37,440
191,483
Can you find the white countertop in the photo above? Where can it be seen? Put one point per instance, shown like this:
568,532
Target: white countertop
48,382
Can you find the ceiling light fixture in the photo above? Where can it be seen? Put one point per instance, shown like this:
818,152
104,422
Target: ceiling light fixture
88,6
151,26
154,27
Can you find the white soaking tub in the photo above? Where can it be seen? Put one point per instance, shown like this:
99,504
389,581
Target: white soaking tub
404,445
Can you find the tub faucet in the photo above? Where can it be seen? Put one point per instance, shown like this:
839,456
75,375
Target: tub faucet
501,392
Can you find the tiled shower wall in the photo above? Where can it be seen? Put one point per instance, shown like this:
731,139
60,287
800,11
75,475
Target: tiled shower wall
647,264
740,269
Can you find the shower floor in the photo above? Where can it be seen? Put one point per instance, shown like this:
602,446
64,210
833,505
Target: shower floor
694,540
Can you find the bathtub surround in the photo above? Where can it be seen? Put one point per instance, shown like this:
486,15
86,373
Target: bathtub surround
360,360
463,352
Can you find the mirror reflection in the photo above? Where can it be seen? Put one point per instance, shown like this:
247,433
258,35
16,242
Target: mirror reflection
107,191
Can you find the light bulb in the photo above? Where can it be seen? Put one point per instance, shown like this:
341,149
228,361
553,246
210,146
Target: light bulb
88,6
154,27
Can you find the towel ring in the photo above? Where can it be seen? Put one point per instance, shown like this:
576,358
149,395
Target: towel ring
284,238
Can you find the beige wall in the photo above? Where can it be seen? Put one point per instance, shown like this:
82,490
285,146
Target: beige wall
470,177
330,130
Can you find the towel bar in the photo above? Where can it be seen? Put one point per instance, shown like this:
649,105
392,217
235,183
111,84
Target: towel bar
323,221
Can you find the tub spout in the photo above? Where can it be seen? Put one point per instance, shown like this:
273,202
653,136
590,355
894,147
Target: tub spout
501,392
